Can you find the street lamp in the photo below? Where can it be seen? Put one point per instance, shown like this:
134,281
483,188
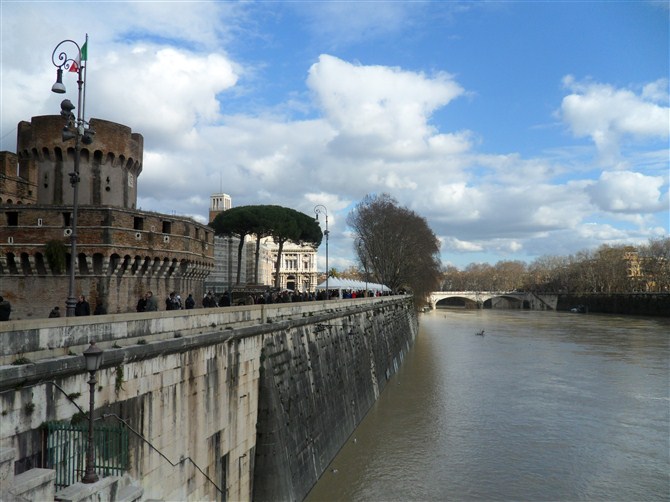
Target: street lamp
93,356
321,209
75,128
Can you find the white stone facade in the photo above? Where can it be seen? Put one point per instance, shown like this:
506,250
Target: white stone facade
297,270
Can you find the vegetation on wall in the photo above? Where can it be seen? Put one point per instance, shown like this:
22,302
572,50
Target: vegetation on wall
119,380
55,253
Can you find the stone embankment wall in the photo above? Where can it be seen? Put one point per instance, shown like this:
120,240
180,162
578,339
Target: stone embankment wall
317,382
235,403
651,304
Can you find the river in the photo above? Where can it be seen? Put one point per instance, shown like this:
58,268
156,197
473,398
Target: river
543,406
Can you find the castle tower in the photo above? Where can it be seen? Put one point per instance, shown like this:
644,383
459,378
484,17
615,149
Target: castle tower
109,167
121,252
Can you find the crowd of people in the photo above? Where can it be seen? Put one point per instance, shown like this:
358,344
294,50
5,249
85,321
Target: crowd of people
149,303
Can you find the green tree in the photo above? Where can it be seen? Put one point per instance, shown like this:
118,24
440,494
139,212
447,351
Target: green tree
239,221
281,223
286,224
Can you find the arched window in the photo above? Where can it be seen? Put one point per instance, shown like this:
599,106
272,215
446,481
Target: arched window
82,264
98,260
114,261
39,264
11,264
26,268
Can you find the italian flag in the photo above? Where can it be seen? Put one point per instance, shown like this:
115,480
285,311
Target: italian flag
74,67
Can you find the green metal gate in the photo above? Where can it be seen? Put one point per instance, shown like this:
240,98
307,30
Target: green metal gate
65,450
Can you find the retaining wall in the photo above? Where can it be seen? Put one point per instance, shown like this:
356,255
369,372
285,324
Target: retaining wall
649,304
235,403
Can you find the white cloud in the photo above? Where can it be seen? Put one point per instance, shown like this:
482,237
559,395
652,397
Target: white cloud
338,23
157,93
608,115
457,245
379,110
627,192
656,92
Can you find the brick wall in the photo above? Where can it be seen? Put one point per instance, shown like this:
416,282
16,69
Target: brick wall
121,254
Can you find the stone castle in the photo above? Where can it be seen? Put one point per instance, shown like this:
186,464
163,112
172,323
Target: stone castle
122,252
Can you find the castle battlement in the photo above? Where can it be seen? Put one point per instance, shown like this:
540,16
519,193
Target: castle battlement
121,252
108,169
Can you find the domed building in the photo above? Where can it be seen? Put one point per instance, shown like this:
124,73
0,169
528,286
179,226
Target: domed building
121,252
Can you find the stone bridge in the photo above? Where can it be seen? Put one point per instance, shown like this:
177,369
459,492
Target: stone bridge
500,299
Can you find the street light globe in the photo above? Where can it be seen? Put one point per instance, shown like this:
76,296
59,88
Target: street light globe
93,357
58,87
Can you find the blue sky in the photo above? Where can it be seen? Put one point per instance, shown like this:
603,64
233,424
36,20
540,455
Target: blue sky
517,129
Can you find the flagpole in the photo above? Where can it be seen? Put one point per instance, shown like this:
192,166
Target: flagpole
81,62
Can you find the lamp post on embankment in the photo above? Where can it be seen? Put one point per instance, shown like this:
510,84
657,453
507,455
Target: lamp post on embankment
93,356
75,128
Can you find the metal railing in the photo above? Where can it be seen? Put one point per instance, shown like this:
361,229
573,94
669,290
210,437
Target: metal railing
65,450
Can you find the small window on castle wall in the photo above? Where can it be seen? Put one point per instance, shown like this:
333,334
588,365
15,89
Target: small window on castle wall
66,219
138,223
167,227
12,218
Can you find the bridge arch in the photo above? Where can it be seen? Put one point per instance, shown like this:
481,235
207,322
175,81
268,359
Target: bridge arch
477,299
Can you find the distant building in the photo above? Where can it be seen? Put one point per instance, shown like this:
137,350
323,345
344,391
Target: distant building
219,202
297,270
122,252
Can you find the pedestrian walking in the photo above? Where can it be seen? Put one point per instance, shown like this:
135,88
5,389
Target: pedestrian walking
82,307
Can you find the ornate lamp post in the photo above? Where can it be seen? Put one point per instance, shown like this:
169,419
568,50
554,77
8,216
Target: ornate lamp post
93,357
75,128
321,209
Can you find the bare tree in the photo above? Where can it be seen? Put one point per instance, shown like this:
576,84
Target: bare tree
396,245
655,264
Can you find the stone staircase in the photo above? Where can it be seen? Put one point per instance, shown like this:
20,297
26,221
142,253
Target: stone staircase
40,485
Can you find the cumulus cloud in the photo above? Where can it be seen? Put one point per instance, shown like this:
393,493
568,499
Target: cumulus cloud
162,100
609,115
627,192
454,244
383,110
